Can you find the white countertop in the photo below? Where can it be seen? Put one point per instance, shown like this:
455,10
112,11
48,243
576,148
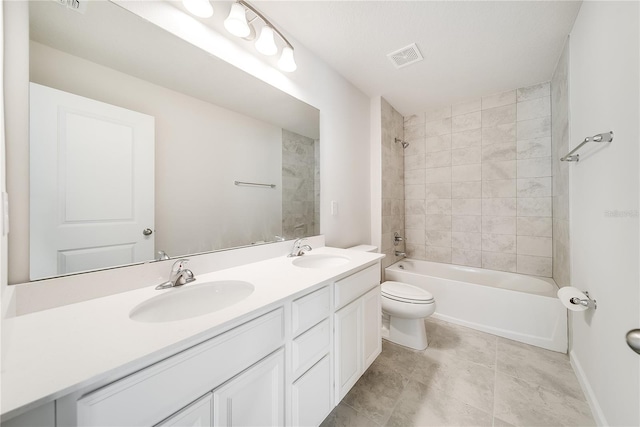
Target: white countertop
51,353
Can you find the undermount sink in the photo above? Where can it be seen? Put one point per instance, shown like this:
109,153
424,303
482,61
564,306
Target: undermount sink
190,301
320,261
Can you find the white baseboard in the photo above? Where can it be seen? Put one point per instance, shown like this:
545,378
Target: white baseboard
596,410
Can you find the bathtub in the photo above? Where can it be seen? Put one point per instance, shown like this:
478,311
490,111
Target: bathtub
515,306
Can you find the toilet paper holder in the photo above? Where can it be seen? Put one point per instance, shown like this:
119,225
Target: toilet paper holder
588,302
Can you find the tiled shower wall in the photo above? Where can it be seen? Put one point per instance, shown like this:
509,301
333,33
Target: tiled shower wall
392,183
560,147
478,182
300,178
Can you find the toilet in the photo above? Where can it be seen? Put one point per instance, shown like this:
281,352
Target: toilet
404,308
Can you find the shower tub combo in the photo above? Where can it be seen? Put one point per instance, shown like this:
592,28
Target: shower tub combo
515,306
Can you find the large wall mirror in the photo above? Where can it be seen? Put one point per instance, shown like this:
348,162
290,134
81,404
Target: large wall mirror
143,145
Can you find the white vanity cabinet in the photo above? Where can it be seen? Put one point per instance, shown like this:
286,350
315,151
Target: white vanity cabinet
197,414
312,387
357,338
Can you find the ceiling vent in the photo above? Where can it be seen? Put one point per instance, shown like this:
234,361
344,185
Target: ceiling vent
405,56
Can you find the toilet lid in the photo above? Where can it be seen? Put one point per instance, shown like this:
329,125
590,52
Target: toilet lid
405,292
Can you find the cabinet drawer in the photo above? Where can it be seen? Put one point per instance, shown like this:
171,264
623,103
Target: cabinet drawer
150,395
309,347
350,288
310,309
311,395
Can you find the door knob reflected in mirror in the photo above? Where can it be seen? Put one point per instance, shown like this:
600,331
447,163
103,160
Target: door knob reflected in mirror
147,232
633,339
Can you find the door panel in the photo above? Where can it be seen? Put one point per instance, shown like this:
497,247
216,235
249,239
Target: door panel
92,184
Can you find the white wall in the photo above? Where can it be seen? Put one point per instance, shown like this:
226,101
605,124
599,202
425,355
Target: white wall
603,86
344,125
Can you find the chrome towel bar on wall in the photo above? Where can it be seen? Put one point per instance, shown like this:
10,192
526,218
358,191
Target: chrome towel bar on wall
254,184
601,137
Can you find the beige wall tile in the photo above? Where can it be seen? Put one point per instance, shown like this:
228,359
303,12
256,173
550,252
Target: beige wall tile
414,176
438,159
466,156
438,254
466,206
466,257
414,191
414,132
534,168
438,127
414,207
466,107
467,121
499,188
414,120
437,114
534,109
532,148
437,222
414,162
497,116
499,134
535,128
535,91
416,146
535,226
470,224
537,246
499,207
535,206
413,236
465,240
440,190
499,99
534,187
537,266
434,175
438,143
499,261
504,243
415,251
438,238
414,221
498,152
499,225
439,207
505,169
470,138
464,173
466,190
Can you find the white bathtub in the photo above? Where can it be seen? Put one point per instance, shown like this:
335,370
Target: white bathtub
515,306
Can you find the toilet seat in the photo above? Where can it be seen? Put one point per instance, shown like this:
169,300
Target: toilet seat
403,292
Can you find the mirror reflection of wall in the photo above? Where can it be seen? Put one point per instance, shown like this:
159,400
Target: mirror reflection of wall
201,148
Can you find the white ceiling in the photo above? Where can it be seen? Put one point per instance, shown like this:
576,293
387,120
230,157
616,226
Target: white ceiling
471,48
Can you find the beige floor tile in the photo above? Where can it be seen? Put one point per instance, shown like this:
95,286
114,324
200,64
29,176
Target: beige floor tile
345,416
376,392
424,405
469,382
465,343
538,366
396,357
524,404
497,422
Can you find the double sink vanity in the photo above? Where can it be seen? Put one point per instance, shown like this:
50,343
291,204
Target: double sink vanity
274,342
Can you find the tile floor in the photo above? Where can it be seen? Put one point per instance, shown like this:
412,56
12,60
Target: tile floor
465,378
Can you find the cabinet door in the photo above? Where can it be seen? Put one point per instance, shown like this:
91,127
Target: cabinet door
348,347
253,398
198,414
311,395
372,326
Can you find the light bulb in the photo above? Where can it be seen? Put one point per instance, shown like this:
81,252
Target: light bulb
201,8
286,62
265,43
236,22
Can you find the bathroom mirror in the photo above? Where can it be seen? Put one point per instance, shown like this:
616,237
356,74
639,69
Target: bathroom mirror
216,131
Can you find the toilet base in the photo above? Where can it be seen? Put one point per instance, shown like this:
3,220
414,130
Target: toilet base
405,332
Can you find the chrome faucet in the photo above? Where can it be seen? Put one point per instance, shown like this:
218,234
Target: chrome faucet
179,275
298,248
402,254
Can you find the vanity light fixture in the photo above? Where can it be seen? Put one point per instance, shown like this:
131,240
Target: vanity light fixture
238,25
201,8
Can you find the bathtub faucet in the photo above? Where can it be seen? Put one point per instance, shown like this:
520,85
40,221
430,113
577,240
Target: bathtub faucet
402,254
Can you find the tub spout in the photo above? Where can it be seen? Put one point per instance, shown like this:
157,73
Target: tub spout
402,254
